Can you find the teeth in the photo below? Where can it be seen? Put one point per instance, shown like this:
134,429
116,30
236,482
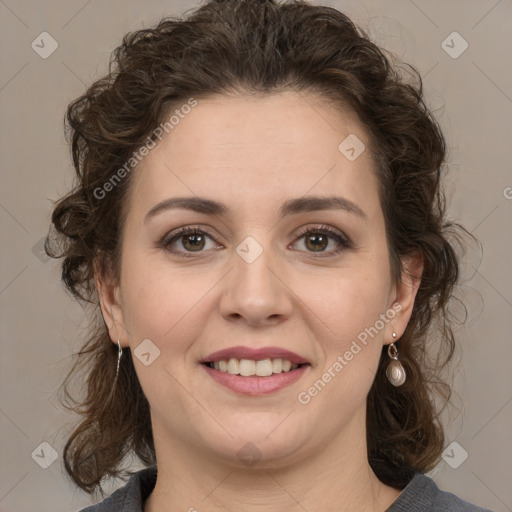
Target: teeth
249,367
277,365
233,366
263,368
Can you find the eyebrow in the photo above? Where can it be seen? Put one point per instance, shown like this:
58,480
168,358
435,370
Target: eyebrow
289,207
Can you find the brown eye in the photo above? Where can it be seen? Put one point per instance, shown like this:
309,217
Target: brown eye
316,242
186,241
317,239
193,242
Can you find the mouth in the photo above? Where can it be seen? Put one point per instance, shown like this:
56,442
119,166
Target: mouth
250,371
254,368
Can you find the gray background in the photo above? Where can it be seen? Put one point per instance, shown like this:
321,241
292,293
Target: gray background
40,325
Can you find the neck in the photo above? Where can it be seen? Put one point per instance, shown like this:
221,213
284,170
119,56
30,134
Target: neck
335,478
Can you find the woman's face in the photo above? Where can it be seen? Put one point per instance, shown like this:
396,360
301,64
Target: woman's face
285,259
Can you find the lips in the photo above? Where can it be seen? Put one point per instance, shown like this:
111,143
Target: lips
241,352
275,369
256,386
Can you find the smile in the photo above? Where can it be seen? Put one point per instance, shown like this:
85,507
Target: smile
248,367
253,384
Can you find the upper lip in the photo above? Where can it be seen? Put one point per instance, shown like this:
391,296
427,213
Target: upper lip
241,352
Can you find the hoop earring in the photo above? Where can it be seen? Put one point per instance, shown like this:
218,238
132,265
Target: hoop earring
395,372
119,354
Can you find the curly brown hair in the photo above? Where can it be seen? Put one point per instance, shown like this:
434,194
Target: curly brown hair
257,47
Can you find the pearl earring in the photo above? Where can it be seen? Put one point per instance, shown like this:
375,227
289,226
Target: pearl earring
395,372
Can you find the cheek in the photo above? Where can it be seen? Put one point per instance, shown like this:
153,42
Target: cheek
349,301
348,324
349,337
159,301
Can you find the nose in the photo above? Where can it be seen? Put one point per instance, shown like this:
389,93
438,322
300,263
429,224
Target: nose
256,292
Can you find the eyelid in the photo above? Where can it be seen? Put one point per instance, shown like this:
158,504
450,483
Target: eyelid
177,233
343,240
308,228
338,235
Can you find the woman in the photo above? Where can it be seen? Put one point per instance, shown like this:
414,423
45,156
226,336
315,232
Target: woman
258,217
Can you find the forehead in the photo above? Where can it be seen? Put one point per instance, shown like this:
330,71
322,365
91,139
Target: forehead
308,124
260,147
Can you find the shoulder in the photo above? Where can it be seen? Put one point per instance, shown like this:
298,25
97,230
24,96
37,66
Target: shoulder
423,495
131,496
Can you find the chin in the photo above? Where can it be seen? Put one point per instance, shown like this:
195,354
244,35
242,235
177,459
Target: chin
259,443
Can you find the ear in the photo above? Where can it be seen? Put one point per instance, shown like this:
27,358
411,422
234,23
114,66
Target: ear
405,293
109,295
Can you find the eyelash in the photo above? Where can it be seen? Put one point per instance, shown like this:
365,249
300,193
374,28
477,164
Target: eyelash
343,240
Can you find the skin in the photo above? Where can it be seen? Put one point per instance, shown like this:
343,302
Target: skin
252,153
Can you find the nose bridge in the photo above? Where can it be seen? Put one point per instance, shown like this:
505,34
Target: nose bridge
254,290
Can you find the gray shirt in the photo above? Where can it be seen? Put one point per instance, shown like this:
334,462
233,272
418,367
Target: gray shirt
420,495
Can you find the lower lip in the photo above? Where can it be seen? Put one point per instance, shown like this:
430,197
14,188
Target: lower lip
256,385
